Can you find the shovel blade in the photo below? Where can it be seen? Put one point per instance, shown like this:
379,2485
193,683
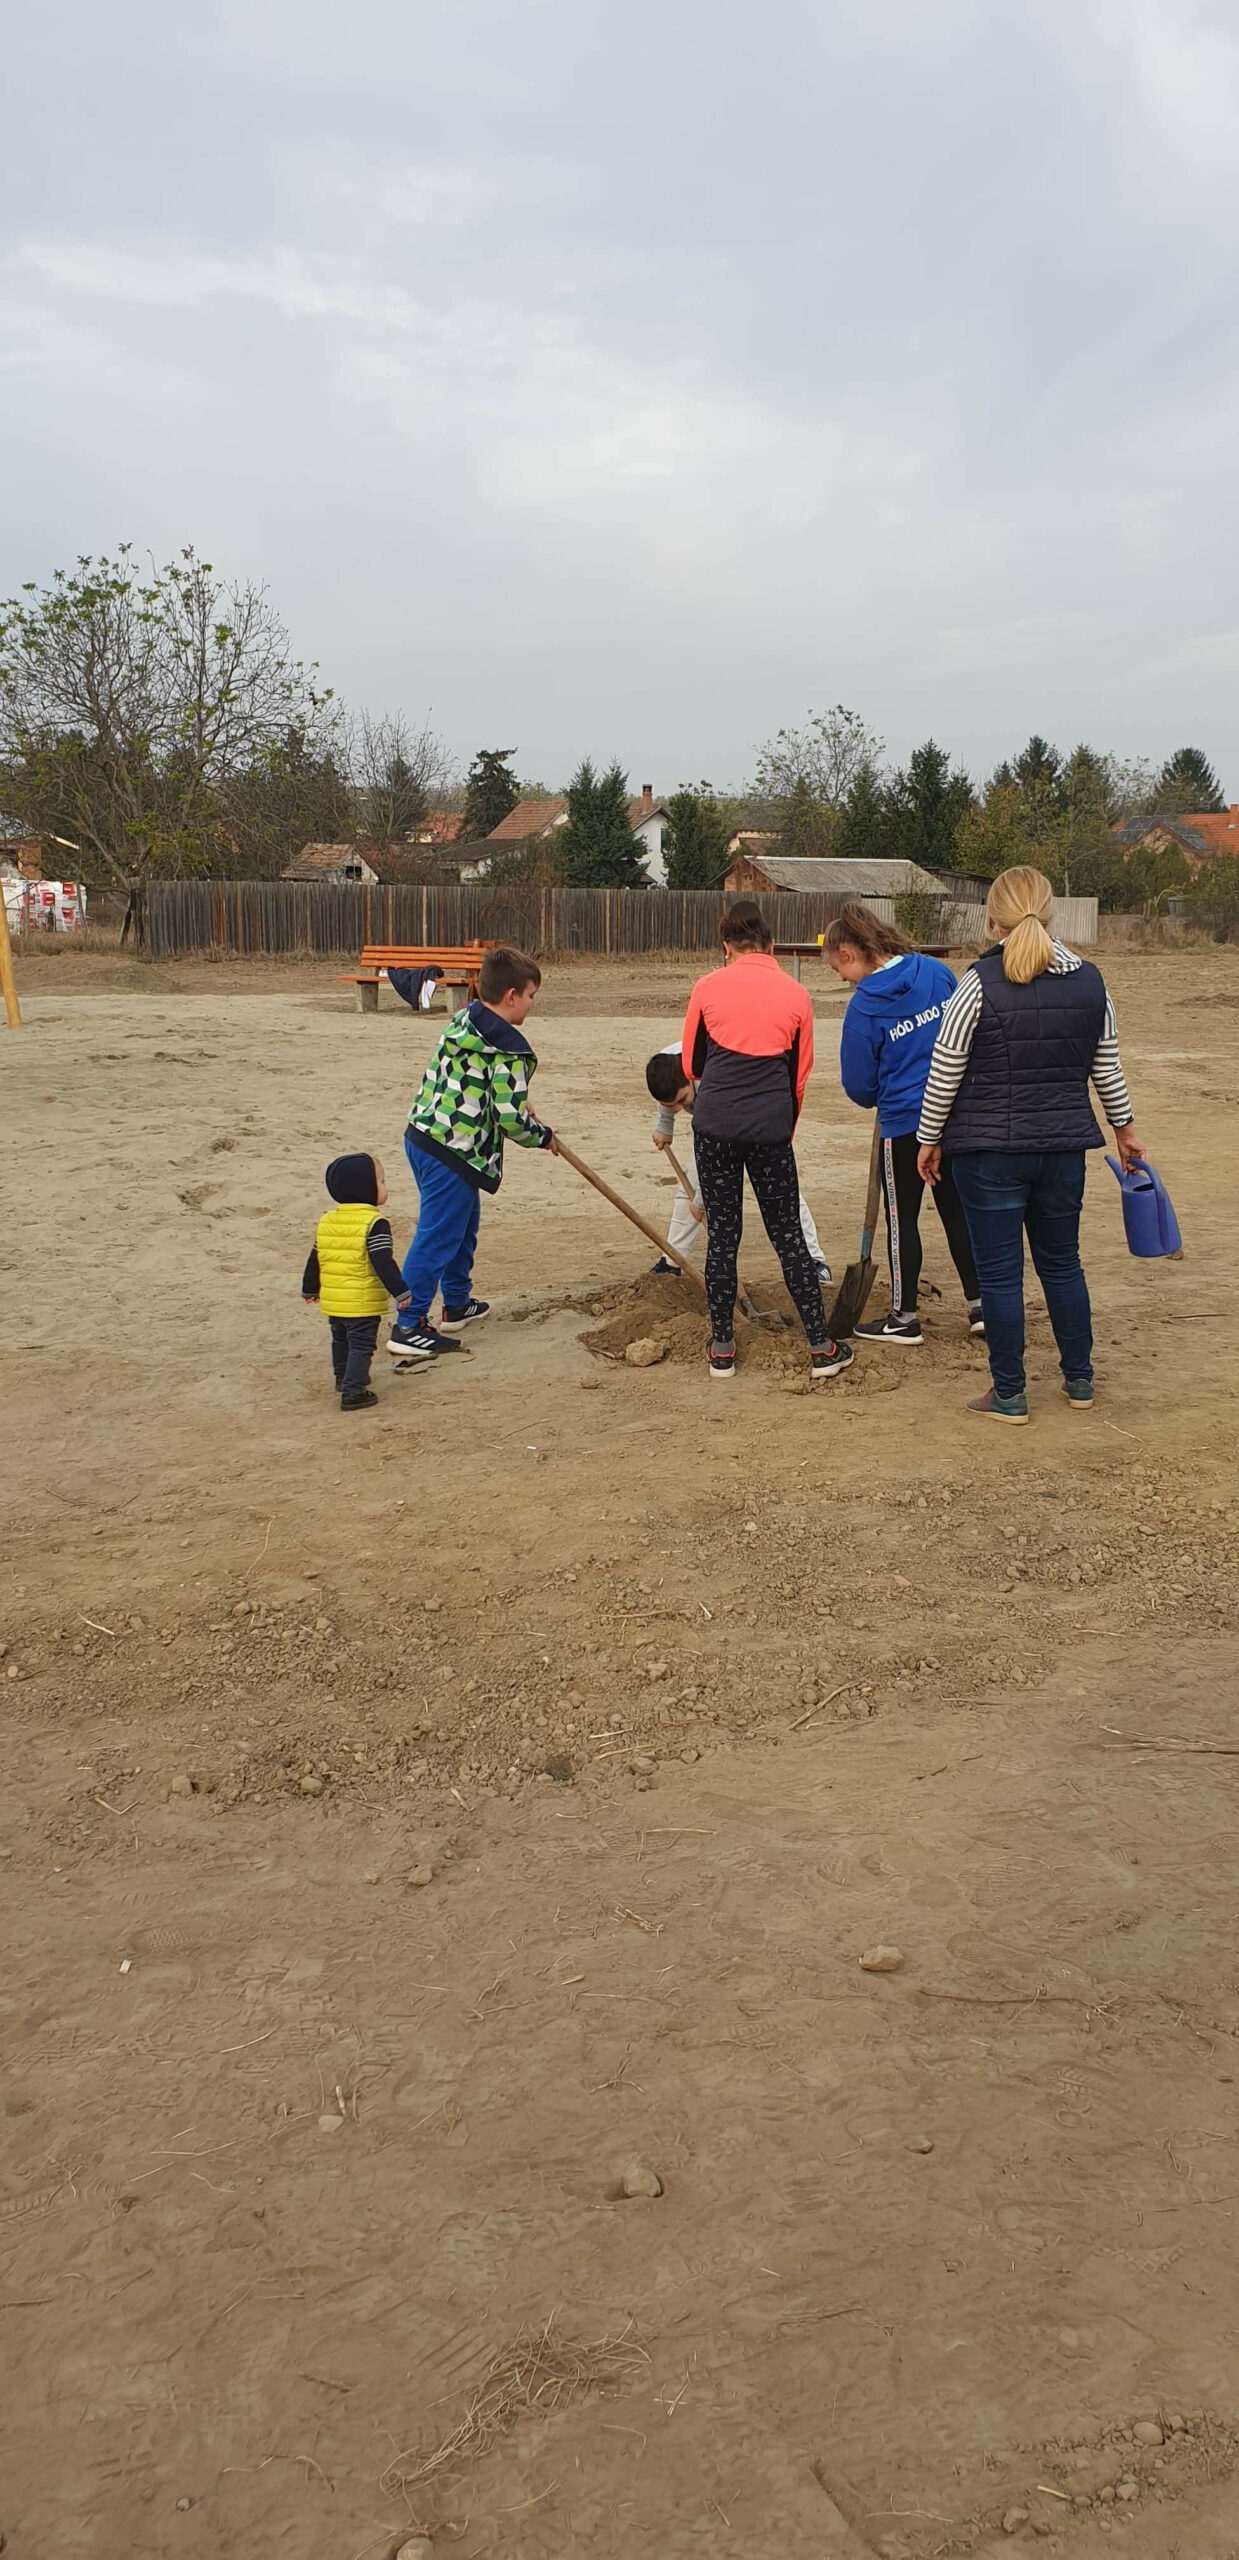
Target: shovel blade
851,1298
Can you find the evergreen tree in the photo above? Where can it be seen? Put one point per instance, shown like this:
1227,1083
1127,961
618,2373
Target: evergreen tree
1039,767
491,792
1187,785
1086,780
924,806
806,828
597,848
863,831
695,843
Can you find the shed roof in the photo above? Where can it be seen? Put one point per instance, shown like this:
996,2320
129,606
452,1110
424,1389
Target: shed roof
314,859
846,879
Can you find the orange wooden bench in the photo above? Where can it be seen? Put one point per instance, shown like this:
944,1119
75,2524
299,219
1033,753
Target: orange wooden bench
458,965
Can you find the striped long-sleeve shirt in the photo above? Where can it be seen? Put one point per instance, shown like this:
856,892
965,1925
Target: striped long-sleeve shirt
954,1042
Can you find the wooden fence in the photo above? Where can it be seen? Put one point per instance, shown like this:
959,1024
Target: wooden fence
289,916
275,916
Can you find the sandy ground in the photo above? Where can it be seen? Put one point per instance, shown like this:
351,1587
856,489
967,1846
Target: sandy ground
412,1819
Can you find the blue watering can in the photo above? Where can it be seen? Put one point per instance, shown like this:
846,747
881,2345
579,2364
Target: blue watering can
1148,1212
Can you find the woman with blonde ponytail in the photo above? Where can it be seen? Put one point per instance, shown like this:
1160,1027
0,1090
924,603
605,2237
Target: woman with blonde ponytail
1007,1103
1017,917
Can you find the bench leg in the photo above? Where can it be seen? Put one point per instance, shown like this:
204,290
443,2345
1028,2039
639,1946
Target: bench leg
368,995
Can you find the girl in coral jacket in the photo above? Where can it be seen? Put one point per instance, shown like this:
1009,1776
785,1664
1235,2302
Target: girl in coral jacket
748,1049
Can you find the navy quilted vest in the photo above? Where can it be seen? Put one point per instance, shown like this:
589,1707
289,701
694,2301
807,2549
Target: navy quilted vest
1025,1087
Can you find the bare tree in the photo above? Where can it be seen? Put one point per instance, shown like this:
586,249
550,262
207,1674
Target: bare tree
820,761
130,702
394,770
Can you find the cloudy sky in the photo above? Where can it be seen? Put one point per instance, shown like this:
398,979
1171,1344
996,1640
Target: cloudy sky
629,376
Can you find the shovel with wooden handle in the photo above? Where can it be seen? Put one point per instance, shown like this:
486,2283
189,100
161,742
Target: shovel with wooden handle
852,1295
772,1323
588,1175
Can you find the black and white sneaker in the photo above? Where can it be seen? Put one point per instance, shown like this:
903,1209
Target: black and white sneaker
830,1360
418,1342
722,1357
456,1318
891,1328
824,1274
976,1321
664,1268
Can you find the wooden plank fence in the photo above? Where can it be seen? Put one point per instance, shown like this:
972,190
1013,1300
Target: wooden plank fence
293,916
275,917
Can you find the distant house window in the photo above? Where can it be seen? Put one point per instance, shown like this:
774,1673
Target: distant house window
352,871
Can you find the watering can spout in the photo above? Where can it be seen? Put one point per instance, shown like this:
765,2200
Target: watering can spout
1148,1212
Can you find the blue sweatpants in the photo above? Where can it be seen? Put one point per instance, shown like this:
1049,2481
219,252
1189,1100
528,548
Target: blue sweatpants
441,1254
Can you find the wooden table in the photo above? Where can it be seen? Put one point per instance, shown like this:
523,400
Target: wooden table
798,951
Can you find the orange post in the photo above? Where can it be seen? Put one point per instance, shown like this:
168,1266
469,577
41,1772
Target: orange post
7,980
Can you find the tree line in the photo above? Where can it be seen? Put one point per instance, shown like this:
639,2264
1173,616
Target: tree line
825,790
156,722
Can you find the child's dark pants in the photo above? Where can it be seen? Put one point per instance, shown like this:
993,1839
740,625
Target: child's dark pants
353,1340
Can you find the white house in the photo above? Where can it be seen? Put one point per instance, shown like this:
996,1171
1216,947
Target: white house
647,817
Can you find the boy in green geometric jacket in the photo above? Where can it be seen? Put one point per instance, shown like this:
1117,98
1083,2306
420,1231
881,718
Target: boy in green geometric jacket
473,1095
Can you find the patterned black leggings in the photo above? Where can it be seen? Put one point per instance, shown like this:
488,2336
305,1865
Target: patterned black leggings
771,1168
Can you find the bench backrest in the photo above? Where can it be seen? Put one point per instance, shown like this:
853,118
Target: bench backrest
401,955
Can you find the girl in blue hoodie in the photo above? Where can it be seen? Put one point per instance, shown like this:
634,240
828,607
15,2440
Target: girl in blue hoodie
889,1031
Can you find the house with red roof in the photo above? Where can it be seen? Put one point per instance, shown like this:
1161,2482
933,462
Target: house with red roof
1200,836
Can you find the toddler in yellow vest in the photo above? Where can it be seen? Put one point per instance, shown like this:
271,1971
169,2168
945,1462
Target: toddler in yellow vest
352,1272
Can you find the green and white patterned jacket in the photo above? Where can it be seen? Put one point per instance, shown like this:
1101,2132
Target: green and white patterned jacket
474,1095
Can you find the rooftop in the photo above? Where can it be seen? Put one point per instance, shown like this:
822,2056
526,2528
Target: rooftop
1199,831
530,818
846,879
316,858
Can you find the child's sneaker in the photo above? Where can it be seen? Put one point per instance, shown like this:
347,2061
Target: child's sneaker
891,1328
1079,1392
976,1321
722,1359
829,1359
998,1408
473,1312
357,1404
418,1341
664,1268
824,1274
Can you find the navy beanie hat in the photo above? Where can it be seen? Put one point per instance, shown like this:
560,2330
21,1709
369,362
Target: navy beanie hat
353,1178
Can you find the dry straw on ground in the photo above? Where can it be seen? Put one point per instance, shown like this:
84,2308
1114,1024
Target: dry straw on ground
533,2377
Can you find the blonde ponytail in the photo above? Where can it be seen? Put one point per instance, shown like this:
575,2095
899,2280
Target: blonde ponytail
1018,913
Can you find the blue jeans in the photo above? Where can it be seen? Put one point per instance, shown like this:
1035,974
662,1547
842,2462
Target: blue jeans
1004,1197
441,1254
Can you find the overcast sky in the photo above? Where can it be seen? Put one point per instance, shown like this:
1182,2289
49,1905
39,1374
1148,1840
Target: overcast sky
630,376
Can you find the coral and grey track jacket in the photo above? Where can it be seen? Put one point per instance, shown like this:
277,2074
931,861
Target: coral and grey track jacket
748,1048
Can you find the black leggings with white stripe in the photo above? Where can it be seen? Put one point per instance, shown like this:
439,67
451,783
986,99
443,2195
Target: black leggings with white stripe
903,1192
771,1168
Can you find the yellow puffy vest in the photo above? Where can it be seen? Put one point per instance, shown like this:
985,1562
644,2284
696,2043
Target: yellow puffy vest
347,1283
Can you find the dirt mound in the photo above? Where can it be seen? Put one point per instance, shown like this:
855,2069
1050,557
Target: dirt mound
659,1310
671,1312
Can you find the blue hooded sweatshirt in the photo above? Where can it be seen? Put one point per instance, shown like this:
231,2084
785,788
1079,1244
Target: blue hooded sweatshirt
889,1031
